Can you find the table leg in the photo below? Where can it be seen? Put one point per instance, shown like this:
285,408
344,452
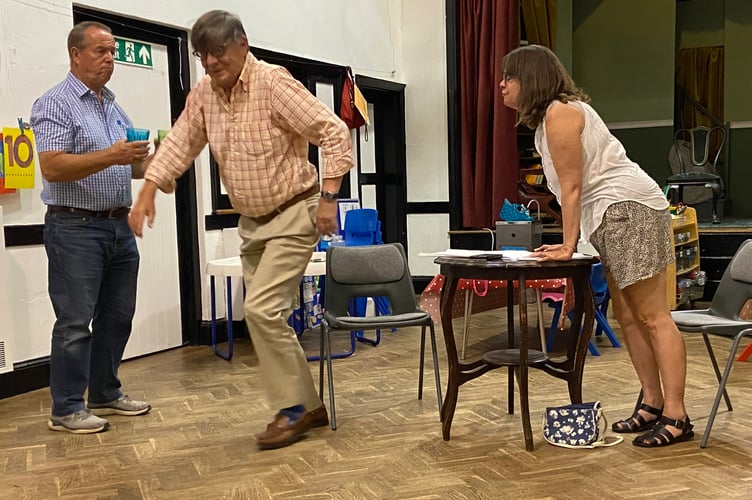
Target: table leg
466,323
510,345
459,373
228,354
523,368
581,326
450,401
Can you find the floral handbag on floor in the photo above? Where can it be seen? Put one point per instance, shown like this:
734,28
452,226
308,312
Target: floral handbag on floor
580,425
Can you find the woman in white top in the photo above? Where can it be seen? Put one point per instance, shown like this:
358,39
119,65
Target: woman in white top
608,200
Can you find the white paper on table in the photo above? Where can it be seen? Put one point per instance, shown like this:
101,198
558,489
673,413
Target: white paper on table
505,254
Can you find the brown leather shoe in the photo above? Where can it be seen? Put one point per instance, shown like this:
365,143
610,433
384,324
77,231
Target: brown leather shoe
317,418
281,432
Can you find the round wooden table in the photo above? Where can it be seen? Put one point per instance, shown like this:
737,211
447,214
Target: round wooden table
517,357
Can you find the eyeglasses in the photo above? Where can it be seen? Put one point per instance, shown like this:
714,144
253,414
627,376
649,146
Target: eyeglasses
216,53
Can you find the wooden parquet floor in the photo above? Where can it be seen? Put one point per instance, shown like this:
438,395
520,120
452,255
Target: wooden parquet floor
197,443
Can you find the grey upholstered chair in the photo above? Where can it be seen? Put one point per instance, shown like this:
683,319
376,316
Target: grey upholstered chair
722,319
370,271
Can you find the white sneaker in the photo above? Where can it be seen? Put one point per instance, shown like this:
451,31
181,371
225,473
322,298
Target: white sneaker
124,405
80,422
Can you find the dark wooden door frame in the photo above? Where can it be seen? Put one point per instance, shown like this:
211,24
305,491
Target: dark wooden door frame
176,41
390,178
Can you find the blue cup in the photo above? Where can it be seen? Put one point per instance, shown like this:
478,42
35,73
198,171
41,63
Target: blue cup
136,134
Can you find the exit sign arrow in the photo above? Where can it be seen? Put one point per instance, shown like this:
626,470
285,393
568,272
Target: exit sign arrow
145,55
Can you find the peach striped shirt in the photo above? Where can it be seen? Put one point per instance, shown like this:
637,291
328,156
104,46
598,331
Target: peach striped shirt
259,138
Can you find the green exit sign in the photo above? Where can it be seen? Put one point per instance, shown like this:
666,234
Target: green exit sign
133,52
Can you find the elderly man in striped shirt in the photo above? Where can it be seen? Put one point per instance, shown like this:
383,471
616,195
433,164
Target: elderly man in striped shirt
258,121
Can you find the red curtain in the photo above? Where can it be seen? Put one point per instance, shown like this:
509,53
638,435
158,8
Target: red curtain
488,31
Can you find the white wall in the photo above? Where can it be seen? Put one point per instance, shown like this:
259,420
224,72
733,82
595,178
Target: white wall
425,70
400,40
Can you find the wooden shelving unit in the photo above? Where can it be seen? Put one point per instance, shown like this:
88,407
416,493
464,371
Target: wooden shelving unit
687,251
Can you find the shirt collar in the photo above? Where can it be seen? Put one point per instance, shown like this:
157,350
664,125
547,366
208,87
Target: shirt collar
245,74
81,89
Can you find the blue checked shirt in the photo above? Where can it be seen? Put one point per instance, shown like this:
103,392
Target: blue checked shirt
70,118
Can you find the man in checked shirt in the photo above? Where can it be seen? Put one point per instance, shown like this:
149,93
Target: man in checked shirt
258,121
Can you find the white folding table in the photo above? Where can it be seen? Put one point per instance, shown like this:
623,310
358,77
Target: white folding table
231,266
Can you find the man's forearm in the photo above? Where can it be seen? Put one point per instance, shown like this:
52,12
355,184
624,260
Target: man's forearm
332,184
58,166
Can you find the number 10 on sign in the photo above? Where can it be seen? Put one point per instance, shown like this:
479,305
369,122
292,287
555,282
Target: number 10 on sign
18,154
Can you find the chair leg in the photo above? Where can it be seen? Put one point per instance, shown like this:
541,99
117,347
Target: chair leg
541,328
591,346
328,354
716,220
716,370
437,374
322,353
437,377
228,288
554,325
340,355
466,324
602,323
361,335
592,349
722,387
422,360
746,353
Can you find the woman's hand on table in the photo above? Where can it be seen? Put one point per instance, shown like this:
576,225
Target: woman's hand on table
553,252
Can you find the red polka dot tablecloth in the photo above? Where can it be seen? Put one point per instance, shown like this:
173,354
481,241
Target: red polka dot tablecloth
488,295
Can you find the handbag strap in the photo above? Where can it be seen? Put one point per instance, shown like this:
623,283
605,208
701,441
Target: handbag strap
602,443
480,292
598,444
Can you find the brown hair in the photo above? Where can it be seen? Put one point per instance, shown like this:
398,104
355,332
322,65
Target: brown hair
77,36
215,28
542,78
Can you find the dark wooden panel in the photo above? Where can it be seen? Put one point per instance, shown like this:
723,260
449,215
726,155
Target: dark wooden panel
24,235
714,267
30,376
721,244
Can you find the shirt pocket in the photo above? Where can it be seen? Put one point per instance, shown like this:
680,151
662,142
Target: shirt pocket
255,140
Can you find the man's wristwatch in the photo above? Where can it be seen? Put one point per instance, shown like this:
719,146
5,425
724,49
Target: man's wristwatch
329,195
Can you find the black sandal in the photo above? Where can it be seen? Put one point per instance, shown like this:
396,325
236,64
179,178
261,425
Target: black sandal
660,436
637,423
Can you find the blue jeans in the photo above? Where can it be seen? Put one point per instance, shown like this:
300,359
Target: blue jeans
92,274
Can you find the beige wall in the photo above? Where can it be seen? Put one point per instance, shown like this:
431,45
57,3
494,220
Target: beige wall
622,55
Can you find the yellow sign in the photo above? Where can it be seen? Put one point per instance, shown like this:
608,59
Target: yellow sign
18,154
361,104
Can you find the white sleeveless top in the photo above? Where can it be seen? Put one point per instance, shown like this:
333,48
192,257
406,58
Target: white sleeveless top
608,176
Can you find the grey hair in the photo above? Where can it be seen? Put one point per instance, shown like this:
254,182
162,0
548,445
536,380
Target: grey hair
77,36
215,28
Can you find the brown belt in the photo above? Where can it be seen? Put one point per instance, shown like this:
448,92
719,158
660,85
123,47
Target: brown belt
113,213
263,219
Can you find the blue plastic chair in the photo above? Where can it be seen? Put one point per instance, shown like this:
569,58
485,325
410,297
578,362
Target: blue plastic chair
601,298
362,227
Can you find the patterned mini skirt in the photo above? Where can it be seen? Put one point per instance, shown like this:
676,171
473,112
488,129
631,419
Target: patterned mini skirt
634,242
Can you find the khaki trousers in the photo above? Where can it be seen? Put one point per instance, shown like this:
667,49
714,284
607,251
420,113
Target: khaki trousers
274,257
